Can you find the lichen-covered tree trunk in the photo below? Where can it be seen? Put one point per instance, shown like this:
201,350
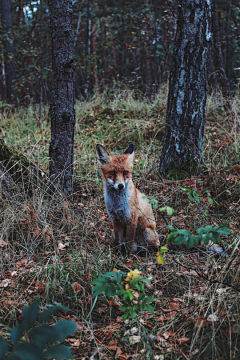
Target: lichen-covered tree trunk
62,103
183,138
9,57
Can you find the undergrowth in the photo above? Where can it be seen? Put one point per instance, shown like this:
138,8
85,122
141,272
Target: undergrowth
56,249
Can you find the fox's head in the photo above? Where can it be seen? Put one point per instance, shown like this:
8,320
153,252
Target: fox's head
116,170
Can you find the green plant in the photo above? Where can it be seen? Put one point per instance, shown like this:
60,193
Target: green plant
205,234
40,336
125,285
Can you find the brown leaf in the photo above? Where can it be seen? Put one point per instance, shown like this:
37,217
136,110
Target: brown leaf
5,282
21,262
3,243
183,340
76,287
174,305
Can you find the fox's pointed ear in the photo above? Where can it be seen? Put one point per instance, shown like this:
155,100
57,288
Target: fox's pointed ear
102,154
130,149
130,152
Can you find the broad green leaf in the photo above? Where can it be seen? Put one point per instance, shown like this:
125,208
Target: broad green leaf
65,328
200,231
58,352
30,314
179,240
16,333
132,313
184,232
3,347
216,237
224,230
43,335
27,351
149,299
46,315
97,290
150,308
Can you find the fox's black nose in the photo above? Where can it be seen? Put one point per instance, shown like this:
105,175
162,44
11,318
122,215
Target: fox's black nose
120,186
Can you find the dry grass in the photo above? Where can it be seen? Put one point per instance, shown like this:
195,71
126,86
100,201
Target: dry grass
48,246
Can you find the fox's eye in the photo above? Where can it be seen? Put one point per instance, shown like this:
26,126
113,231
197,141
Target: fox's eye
112,173
125,172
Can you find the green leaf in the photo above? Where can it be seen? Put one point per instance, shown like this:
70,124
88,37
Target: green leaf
200,231
125,316
149,299
171,228
224,230
179,240
58,352
16,333
110,290
30,314
168,210
184,232
3,347
43,335
150,308
215,237
27,351
46,315
208,228
132,313
97,290
65,328
123,308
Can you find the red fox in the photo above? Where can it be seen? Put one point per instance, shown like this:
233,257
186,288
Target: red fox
134,225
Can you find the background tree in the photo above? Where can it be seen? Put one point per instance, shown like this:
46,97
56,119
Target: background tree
9,57
131,45
183,138
62,104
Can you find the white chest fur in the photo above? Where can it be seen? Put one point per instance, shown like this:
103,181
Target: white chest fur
117,203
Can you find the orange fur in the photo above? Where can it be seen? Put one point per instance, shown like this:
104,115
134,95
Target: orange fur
132,215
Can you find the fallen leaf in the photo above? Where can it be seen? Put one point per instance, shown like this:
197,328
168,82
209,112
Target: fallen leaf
3,243
135,339
5,282
76,287
183,340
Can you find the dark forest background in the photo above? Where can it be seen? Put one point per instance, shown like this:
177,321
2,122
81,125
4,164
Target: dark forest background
118,44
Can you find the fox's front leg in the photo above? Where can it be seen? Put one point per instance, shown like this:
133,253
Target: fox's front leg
117,235
130,236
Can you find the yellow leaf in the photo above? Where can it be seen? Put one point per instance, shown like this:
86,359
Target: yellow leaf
115,270
160,259
133,274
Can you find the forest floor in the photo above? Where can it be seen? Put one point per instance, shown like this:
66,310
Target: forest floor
54,250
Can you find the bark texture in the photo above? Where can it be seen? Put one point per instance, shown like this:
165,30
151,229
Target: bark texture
62,103
183,138
218,57
9,57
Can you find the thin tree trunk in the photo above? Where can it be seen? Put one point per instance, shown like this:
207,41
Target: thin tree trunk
183,138
218,57
62,104
95,63
89,38
9,56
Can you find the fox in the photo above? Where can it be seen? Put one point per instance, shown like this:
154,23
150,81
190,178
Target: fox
134,225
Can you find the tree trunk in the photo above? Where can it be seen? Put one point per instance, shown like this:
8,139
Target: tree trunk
183,138
9,57
218,57
62,104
